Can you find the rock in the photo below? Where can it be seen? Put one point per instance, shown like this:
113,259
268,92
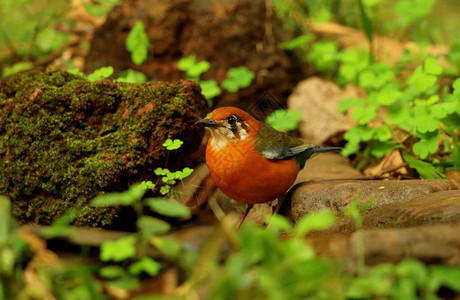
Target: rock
318,99
328,166
64,140
227,34
337,194
438,244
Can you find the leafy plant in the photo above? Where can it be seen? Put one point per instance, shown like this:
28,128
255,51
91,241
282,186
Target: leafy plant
238,78
416,106
137,43
284,119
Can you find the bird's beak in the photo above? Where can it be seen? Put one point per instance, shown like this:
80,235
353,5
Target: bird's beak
207,122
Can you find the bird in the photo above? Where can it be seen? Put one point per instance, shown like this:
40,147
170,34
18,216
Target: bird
250,161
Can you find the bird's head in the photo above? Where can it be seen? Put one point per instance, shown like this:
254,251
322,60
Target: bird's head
230,124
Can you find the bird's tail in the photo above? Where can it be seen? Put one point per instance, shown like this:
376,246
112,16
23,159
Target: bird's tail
302,157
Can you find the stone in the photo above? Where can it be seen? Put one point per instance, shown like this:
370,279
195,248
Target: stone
328,165
335,195
65,140
438,244
318,99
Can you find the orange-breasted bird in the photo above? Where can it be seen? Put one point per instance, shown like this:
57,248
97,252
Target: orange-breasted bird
250,161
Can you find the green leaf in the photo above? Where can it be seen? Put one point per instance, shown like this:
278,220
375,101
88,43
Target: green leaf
5,220
367,23
210,89
131,76
422,81
149,226
284,119
193,68
118,250
45,39
95,10
126,283
324,55
431,66
167,245
315,221
297,42
147,185
112,272
100,73
456,87
388,95
17,67
172,144
137,43
448,276
238,78
345,104
380,149
413,269
168,207
165,189
133,194
160,171
145,264
425,170
427,144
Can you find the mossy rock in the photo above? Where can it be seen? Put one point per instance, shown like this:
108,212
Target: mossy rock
64,140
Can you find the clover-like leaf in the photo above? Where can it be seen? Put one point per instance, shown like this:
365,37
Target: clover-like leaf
315,221
422,81
118,250
456,86
431,66
284,119
100,73
145,264
193,68
238,78
172,144
165,189
209,88
427,145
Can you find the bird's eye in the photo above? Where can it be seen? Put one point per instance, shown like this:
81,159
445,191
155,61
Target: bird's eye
231,120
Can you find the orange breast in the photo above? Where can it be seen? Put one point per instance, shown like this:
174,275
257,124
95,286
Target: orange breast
246,176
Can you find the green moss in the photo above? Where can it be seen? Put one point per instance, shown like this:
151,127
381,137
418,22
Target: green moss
64,140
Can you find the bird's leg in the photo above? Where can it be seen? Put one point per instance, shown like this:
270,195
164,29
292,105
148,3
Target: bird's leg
277,209
245,215
279,204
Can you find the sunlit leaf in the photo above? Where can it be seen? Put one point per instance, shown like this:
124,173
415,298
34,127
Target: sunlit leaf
168,207
137,43
118,250
284,119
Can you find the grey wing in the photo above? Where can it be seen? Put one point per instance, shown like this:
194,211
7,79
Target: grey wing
277,145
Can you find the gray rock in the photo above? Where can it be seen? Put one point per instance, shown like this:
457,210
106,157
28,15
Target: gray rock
337,194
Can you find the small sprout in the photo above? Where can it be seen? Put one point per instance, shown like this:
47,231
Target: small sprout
145,264
165,189
172,144
118,250
137,43
100,73
238,78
